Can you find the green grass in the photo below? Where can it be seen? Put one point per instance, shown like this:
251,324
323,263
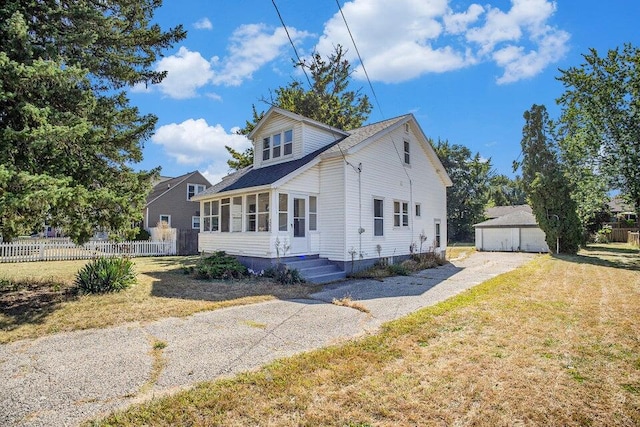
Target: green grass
551,343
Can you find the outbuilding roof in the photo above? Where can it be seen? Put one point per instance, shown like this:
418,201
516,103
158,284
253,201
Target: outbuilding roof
498,211
514,219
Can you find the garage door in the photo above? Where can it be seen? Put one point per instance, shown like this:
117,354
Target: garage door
532,240
499,239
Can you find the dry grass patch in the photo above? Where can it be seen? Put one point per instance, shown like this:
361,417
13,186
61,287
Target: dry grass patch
46,304
348,302
555,342
460,251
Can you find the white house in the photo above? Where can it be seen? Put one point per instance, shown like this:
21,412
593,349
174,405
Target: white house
320,195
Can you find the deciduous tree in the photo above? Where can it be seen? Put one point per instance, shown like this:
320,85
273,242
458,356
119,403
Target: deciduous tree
601,134
467,198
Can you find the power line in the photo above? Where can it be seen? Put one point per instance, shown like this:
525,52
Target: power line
292,44
359,57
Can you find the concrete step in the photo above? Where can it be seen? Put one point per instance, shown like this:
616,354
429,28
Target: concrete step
317,270
326,278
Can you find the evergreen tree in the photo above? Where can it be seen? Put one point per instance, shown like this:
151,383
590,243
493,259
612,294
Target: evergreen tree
547,188
67,132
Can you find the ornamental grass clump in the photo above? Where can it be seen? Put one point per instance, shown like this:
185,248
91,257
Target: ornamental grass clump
105,275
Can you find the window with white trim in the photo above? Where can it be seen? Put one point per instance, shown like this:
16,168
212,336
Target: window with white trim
193,189
418,210
407,153
400,214
378,217
266,148
225,215
277,145
165,218
236,214
195,222
313,213
283,212
211,216
437,233
263,212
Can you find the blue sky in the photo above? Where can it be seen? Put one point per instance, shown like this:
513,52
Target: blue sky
466,70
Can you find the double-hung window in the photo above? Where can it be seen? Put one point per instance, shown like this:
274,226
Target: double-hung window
193,189
283,212
407,153
400,214
277,145
378,217
211,217
266,148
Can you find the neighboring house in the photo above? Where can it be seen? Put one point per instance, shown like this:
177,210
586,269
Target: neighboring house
170,201
622,211
515,231
328,196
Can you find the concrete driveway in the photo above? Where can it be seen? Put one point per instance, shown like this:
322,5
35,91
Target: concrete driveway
66,378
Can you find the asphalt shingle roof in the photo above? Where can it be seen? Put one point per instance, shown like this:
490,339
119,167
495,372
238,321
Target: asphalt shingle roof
498,211
514,219
250,177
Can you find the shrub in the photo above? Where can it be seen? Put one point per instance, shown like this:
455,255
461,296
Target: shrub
103,275
398,270
284,275
219,266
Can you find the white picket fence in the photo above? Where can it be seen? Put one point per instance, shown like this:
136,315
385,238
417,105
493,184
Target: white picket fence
43,250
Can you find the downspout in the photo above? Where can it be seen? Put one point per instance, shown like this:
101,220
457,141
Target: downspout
360,229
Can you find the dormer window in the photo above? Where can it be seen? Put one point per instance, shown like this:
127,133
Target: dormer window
288,142
277,140
266,148
277,145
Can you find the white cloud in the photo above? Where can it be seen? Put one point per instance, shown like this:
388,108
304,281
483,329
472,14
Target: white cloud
186,72
457,23
408,38
252,46
195,142
203,24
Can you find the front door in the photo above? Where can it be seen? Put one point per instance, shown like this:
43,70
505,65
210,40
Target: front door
300,238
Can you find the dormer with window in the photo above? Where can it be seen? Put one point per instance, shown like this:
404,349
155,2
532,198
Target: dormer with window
282,136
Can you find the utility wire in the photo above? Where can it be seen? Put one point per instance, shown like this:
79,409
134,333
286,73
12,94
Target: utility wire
292,44
359,57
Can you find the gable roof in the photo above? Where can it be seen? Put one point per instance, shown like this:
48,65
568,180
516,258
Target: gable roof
294,116
167,184
618,205
347,142
361,137
513,219
498,211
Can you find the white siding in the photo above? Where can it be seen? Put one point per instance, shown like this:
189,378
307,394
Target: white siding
315,138
384,176
307,182
331,210
246,244
276,124
533,240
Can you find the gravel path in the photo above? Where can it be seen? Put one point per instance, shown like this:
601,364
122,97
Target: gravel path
63,379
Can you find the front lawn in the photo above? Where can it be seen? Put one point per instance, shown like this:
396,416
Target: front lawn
44,301
552,343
